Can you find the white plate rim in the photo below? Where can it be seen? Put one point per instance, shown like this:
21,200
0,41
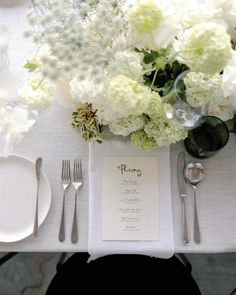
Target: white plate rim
8,240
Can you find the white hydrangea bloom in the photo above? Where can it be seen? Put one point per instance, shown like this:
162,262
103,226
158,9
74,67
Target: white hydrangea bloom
201,88
127,63
153,24
127,97
37,93
145,17
205,48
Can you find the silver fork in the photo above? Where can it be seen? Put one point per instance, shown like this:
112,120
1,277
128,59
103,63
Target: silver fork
65,181
77,182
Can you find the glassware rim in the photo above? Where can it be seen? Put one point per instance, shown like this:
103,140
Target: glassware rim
221,121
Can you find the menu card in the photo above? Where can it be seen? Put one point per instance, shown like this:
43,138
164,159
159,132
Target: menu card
130,198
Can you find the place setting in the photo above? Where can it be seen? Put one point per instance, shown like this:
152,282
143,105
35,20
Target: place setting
134,94
25,197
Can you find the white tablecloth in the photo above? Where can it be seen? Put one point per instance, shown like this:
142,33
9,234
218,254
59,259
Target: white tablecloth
54,140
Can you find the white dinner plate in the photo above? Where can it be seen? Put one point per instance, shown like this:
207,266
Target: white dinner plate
18,186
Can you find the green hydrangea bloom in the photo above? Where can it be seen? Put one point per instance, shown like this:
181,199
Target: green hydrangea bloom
155,107
126,126
163,132
140,140
145,17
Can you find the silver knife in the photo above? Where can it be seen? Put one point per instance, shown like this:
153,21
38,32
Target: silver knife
183,194
38,168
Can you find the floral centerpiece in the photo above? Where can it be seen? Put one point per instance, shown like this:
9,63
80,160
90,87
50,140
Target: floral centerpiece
114,63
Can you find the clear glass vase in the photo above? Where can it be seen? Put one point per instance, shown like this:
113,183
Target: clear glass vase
182,112
13,105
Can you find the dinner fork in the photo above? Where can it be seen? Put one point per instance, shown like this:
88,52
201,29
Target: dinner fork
65,181
77,182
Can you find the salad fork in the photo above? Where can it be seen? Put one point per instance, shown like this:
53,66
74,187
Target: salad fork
65,181
77,182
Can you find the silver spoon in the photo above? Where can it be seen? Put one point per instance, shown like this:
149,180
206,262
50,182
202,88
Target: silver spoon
194,174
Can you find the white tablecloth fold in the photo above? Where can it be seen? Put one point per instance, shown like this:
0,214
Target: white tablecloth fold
163,248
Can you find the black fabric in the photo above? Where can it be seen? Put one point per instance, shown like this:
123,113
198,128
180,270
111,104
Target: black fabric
122,273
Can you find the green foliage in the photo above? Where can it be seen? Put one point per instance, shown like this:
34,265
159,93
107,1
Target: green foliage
149,57
31,67
163,72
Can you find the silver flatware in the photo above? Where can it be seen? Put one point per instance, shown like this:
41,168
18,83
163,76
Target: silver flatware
183,194
194,173
65,182
77,182
38,169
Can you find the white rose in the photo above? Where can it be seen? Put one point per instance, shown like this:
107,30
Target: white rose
229,77
224,10
221,108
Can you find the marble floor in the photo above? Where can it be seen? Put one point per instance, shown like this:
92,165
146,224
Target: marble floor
31,273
